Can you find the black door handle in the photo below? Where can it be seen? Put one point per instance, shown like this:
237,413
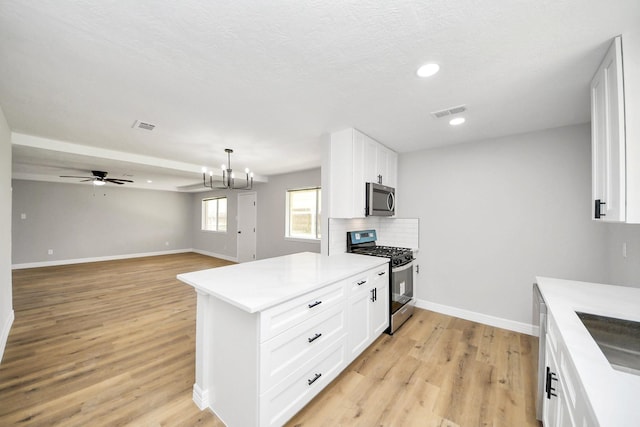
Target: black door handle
239,232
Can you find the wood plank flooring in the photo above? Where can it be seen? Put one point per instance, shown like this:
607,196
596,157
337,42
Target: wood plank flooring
112,344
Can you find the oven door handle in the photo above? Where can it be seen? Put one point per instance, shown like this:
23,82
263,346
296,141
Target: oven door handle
402,267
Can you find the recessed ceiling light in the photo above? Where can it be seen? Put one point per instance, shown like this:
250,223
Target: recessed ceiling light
149,181
457,121
428,70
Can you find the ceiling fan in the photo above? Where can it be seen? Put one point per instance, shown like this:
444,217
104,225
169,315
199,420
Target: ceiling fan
99,178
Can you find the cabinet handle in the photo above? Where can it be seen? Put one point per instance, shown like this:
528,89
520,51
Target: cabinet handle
362,282
598,212
314,304
379,179
313,338
374,295
314,379
551,376
382,273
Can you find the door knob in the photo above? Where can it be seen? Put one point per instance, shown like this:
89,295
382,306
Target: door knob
239,232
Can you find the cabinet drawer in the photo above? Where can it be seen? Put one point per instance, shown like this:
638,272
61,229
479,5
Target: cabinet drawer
284,353
359,282
283,401
364,280
282,317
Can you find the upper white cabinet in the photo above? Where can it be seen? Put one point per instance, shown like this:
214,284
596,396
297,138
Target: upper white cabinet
380,163
615,137
350,160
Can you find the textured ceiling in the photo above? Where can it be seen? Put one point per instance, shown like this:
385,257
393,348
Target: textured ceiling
268,78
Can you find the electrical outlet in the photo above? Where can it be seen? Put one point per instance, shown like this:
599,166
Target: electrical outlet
624,249
166,243
23,216
50,251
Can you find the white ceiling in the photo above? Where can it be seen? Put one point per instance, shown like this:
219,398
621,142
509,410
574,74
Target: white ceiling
268,78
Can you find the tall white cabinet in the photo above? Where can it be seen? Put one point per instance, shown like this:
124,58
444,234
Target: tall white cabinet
350,160
615,134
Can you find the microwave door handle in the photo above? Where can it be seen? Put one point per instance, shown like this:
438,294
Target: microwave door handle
391,201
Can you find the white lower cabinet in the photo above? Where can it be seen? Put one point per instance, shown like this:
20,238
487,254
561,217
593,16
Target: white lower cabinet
259,369
368,309
565,402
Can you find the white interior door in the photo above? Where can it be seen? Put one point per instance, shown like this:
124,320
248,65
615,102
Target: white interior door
246,227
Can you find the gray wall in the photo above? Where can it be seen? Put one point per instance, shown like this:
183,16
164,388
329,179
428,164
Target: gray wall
80,221
214,242
496,213
271,214
270,224
623,271
6,302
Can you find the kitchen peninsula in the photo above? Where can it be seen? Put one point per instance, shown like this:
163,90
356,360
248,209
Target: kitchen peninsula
271,334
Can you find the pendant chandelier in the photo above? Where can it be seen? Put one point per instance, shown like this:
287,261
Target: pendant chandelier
228,177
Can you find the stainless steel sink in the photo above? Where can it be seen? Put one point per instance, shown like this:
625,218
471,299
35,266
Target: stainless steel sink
618,339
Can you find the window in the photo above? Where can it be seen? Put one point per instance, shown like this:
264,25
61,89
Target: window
214,214
303,213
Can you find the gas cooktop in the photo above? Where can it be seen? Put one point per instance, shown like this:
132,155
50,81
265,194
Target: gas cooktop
364,243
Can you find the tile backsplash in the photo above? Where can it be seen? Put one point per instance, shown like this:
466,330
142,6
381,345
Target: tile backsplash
402,232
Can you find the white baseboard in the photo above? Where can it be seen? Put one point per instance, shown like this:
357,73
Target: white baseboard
6,327
523,328
215,255
96,259
200,397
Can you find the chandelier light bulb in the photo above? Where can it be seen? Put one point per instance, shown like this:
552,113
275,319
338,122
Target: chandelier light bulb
224,167
204,169
246,170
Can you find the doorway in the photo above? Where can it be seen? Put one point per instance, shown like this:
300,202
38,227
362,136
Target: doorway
246,227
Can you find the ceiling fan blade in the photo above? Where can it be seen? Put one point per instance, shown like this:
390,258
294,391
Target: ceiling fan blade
87,180
117,180
71,176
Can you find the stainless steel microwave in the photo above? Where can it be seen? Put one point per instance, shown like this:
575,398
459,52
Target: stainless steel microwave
381,200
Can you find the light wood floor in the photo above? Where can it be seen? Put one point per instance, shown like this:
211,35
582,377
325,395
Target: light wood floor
112,343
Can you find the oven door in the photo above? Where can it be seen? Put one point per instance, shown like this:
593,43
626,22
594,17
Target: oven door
401,286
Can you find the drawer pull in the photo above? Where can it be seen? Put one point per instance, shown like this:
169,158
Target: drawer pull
313,338
314,304
382,273
314,379
362,282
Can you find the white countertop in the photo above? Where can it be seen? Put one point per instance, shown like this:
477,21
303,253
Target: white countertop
613,394
257,285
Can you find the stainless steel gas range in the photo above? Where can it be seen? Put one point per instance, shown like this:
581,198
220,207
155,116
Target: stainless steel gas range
401,278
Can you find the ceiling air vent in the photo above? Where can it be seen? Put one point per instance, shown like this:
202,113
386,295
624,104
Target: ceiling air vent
449,111
139,124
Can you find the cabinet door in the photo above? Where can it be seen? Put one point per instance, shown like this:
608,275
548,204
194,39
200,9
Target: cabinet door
608,138
391,176
359,335
380,307
371,160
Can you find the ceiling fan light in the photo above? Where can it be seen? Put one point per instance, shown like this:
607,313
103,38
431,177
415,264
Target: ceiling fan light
99,183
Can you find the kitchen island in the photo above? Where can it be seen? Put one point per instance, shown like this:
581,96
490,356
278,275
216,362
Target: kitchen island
586,389
270,334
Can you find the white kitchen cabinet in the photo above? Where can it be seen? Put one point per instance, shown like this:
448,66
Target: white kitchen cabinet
257,362
615,137
368,308
565,402
350,160
380,163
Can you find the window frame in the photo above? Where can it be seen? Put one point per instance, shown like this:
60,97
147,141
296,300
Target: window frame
316,226
204,211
